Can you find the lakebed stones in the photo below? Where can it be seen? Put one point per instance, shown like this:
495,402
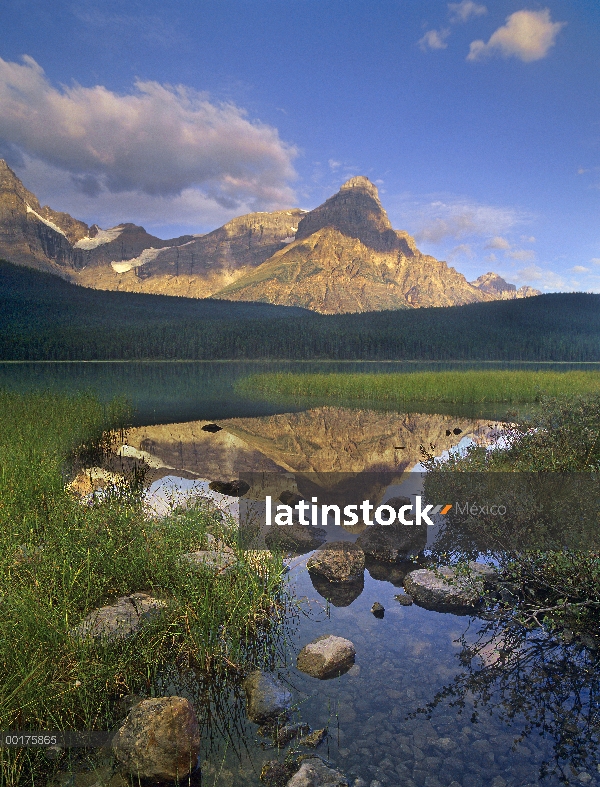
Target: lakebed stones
266,696
160,740
296,538
338,561
446,588
314,772
326,656
119,620
235,488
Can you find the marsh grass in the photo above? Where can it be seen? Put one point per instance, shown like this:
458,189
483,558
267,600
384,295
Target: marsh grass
60,559
459,387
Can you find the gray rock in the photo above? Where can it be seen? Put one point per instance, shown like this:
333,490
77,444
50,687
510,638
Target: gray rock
160,740
326,656
314,738
404,599
266,696
443,588
218,560
338,561
314,773
120,620
378,610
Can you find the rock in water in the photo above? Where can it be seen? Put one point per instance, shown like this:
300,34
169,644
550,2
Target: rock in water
314,773
326,656
235,488
339,561
160,740
378,610
266,696
445,588
120,620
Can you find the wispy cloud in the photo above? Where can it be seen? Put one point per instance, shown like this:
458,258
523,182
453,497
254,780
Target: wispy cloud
467,9
434,39
580,269
542,278
158,140
527,35
439,220
522,255
497,243
457,13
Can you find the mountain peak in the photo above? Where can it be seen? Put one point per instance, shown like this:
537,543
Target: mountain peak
362,183
355,211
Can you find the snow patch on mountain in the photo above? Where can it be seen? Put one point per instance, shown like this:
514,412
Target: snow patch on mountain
50,224
102,237
146,256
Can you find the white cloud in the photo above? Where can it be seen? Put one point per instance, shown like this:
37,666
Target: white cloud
463,250
333,165
523,255
541,278
434,39
159,141
465,10
580,269
497,243
527,35
439,220
595,260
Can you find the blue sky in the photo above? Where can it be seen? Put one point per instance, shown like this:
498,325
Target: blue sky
479,121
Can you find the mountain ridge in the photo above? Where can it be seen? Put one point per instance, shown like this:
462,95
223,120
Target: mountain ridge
342,257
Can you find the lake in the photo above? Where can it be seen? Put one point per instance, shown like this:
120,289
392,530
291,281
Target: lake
434,699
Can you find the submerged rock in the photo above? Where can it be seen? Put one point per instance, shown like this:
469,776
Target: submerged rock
120,620
235,488
326,656
314,738
160,740
446,588
391,542
266,696
288,732
338,561
276,774
404,599
314,772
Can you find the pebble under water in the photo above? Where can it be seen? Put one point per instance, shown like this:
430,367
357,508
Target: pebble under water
525,721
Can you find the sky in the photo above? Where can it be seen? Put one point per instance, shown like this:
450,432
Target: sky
478,121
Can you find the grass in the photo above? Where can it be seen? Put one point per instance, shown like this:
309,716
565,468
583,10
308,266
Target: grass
459,387
60,559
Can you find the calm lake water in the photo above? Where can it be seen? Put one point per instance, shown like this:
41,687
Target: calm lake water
417,709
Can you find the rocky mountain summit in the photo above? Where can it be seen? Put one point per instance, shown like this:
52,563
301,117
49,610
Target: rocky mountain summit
343,256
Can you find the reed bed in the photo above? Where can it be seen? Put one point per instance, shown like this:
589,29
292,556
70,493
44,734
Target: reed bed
460,387
60,559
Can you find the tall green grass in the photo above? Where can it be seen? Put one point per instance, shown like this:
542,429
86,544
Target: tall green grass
454,387
60,559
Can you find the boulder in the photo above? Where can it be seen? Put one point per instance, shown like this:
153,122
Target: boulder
391,542
266,696
159,741
315,773
296,538
404,599
444,588
219,560
235,488
338,561
276,774
326,656
120,620
378,610
314,738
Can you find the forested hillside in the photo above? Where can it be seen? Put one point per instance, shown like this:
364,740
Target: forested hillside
43,317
